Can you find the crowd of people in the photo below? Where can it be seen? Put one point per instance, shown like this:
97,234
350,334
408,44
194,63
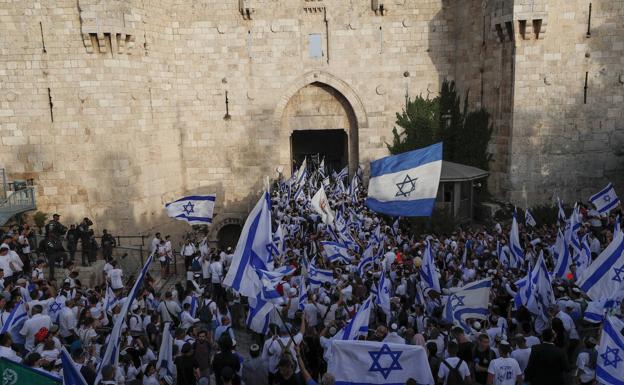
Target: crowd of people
206,319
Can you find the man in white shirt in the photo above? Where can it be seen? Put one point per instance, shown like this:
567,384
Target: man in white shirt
33,325
522,352
169,308
393,337
5,348
186,319
115,275
216,276
284,342
68,320
188,251
504,370
586,362
155,243
453,364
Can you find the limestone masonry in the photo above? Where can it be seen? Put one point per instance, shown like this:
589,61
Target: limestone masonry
117,107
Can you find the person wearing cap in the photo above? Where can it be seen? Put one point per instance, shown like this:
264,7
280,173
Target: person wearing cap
32,326
255,369
504,370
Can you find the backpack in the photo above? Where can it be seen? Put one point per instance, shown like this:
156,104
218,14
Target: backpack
454,377
196,265
204,314
286,354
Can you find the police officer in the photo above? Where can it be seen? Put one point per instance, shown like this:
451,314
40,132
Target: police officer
72,241
55,226
108,243
54,251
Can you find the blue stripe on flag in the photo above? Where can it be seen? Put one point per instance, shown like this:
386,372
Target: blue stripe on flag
603,269
415,208
195,198
199,219
406,160
601,192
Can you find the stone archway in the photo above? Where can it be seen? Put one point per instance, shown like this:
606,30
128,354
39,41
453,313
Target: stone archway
319,101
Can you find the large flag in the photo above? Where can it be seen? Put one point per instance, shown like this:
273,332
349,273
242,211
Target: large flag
470,301
382,299
14,373
538,290
336,252
302,174
428,272
111,353
605,275
517,254
605,199
252,251
194,209
528,218
317,276
377,363
71,374
406,184
596,310
610,360
165,364
368,258
358,325
320,204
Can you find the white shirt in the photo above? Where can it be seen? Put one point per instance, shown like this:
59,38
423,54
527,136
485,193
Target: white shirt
522,356
568,325
443,372
115,278
188,250
275,350
585,373
216,272
10,354
32,326
68,320
394,338
505,371
186,320
532,341
154,246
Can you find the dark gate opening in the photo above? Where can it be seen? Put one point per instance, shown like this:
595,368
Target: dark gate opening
228,236
330,144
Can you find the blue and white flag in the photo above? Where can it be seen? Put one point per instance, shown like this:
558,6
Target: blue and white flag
321,169
55,307
110,299
382,298
610,362
561,215
572,228
617,226
354,188
252,250
193,309
564,258
302,174
194,209
258,316
16,318
605,200
605,275
336,252
470,301
344,173
528,218
378,363
111,353
428,272
596,310
358,325
317,276
165,365
539,293
517,254
584,259
368,258
503,258
406,184
71,374
303,294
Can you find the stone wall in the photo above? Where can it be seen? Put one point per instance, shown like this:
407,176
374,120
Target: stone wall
117,107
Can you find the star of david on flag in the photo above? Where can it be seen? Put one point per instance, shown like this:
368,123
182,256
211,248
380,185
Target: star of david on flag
195,209
605,200
406,184
609,365
372,363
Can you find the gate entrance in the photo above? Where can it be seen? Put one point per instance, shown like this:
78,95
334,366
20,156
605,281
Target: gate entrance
330,144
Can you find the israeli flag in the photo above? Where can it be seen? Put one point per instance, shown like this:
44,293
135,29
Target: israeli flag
528,218
71,374
517,254
344,173
317,276
564,258
302,174
583,260
606,274
358,325
16,318
194,209
354,188
321,169
406,184
596,310
165,365
610,362
428,272
561,215
617,227
470,301
503,258
336,252
572,228
382,298
605,199
258,316
378,363
111,352
110,299
55,307
368,258
252,250
539,293
303,294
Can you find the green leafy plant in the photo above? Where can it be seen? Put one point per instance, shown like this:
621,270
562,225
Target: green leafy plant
40,219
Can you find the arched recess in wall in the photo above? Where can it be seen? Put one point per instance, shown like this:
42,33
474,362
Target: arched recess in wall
319,101
226,232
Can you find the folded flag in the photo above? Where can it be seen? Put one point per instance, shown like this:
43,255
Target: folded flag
470,301
406,184
605,275
517,254
596,310
194,209
372,363
605,199
165,363
610,359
